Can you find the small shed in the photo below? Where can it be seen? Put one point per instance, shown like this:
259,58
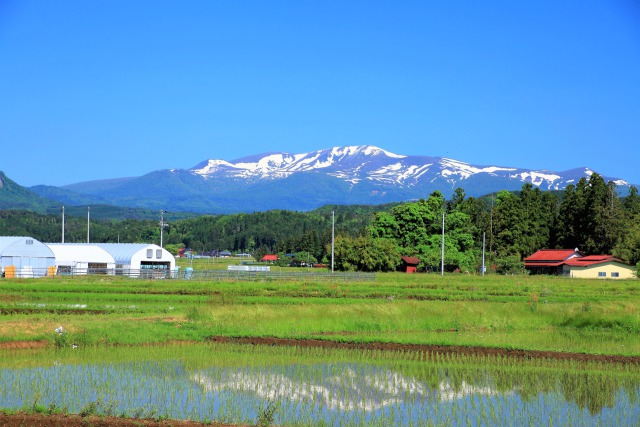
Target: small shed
269,258
82,258
410,264
25,256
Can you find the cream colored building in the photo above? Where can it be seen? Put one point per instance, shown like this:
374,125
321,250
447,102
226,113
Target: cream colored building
598,267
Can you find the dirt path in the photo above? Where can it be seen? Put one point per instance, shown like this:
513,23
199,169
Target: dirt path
23,344
38,420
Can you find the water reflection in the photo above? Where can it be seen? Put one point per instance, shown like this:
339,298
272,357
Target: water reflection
328,393
352,389
347,391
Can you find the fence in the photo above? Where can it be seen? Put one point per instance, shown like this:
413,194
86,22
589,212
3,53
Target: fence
188,274
277,275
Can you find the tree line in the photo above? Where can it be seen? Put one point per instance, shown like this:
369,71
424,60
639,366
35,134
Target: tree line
506,227
589,216
259,233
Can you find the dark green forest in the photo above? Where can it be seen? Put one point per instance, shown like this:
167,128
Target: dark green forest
590,216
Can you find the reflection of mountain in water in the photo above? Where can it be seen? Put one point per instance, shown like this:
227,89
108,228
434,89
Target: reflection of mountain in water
336,387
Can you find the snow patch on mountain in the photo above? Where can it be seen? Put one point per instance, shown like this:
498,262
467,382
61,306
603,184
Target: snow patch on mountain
539,178
281,165
465,170
212,166
399,173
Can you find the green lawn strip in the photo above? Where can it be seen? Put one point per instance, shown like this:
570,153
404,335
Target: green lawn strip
459,287
387,322
505,311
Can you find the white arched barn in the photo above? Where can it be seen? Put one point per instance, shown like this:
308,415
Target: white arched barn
82,259
26,256
139,256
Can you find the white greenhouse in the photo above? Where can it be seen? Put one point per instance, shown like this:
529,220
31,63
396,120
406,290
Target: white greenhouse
82,259
25,257
139,257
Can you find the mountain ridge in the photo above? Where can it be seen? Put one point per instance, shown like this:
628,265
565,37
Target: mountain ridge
363,174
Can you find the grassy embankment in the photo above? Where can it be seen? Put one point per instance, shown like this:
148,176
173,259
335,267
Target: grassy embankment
532,313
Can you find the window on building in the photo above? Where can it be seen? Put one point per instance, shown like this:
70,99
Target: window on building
602,274
159,253
29,241
149,253
615,274
97,267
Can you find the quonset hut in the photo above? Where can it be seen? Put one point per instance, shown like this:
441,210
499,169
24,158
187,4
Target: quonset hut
25,257
139,256
82,259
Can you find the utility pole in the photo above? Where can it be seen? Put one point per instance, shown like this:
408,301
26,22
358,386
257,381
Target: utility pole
442,257
62,223
333,235
161,225
483,242
88,221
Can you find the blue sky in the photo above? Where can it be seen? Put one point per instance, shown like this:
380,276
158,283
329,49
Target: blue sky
93,90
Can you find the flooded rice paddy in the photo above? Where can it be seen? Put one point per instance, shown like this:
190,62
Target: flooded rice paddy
249,384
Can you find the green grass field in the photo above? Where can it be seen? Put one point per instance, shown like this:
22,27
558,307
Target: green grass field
516,312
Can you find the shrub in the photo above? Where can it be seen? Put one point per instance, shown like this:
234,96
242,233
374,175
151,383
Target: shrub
511,264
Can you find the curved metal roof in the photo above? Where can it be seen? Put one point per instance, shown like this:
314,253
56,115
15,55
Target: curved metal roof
80,253
6,241
19,246
122,253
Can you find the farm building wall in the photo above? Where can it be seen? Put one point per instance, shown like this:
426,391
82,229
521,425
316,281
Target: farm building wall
608,270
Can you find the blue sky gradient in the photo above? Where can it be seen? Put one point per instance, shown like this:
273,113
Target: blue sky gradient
94,90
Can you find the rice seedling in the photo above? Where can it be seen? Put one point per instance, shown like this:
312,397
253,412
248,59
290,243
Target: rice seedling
314,386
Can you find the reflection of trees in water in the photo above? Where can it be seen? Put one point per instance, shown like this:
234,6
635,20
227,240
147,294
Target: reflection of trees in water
591,390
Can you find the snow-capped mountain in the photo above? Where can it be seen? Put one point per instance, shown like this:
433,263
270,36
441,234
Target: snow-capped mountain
340,175
356,164
348,163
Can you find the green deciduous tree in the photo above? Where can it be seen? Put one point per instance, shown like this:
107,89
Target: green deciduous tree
364,253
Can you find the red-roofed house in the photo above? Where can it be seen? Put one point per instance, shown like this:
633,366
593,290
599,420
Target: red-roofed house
549,261
269,258
598,266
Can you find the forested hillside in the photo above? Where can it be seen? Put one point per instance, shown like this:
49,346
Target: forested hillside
589,216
